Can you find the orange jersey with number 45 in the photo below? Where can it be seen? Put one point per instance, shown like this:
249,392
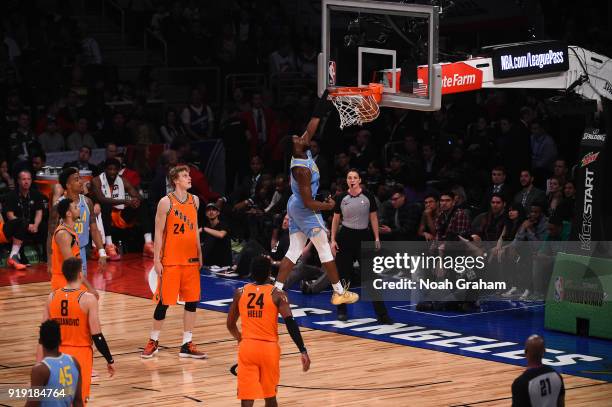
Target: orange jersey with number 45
180,246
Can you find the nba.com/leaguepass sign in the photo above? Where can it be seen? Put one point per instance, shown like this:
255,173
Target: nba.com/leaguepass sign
530,59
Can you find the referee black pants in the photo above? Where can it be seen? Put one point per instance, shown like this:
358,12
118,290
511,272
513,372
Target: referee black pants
349,250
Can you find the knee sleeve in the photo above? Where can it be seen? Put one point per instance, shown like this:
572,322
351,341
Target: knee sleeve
191,306
160,312
320,242
297,242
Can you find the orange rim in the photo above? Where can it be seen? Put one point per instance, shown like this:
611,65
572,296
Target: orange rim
373,89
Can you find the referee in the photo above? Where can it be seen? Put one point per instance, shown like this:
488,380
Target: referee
357,208
539,385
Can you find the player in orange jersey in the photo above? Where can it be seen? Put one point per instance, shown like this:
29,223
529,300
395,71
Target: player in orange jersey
177,259
259,352
65,244
76,310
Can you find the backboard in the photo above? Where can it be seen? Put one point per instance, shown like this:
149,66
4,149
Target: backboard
381,42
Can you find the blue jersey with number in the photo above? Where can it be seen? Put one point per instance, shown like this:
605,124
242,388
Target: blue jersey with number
302,219
63,380
82,225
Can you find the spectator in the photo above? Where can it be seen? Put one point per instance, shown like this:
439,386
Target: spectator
515,216
539,385
342,165
217,248
282,192
110,151
374,177
13,231
560,171
23,140
307,60
555,195
489,226
400,218
431,163
452,221
529,193
117,132
172,127
567,206
427,227
51,114
514,145
395,172
259,122
498,186
362,151
12,110
122,208
234,135
140,164
51,140
68,116
534,228
28,205
83,161
161,184
7,183
80,136
198,117
543,150
200,185
282,60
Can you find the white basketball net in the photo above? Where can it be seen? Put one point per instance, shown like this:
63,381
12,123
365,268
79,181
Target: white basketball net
355,109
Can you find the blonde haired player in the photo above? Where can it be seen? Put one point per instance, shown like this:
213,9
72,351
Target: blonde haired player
177,259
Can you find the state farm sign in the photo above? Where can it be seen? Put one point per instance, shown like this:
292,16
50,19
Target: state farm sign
456,77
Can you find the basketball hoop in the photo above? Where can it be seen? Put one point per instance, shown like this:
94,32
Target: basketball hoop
357,105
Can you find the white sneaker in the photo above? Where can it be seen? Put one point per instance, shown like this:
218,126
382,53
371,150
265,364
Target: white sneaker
525,295
510,292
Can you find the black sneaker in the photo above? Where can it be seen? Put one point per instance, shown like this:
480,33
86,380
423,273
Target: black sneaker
189,350
384,320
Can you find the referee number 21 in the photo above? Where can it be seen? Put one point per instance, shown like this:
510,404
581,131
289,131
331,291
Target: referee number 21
545,389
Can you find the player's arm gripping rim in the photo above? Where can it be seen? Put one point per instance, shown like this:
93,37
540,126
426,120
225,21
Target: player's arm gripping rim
280,300
160,225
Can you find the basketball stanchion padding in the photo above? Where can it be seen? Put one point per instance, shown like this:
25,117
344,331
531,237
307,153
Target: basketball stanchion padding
355,105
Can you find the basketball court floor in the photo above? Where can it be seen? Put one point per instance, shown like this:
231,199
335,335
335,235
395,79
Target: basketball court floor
424,359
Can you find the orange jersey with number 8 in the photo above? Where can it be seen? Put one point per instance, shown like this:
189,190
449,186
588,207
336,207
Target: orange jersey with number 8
258,313
65,308
180,246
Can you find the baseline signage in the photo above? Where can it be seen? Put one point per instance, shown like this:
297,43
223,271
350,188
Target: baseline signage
456,77
530,59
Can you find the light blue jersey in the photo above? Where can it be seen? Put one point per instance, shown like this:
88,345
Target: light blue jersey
63,377
302,219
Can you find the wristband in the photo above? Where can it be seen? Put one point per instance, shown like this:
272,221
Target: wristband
102,253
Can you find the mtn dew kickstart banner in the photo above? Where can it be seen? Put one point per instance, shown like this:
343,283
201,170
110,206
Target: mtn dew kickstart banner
590,184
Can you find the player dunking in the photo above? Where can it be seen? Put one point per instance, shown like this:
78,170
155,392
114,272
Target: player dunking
65,244
304,220
76,310
258,305
177,258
